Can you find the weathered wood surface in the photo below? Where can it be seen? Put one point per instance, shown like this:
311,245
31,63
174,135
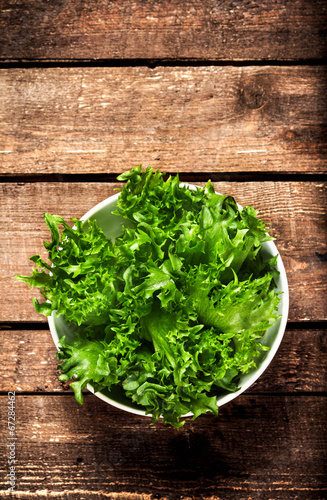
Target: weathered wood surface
203,119
294,211
28,363
259,447
191,30
240,112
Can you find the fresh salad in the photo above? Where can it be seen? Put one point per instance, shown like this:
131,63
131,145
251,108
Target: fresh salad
173,310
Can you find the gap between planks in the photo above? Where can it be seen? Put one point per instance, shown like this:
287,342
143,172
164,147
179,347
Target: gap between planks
152,63
246,393
21,325
258,176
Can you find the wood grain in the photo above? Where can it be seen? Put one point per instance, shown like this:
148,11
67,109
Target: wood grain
211,87
28,363
189,30
274,446
203,119
294,211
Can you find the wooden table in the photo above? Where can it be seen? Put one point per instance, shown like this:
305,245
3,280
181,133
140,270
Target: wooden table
227,90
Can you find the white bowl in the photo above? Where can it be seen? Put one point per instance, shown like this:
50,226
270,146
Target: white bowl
111,225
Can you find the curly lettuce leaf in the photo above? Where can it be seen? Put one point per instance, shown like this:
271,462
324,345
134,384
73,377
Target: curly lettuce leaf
173,310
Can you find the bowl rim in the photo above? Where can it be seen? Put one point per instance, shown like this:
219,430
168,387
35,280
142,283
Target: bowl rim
226,398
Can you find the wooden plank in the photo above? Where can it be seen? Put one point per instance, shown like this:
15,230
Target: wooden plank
203,119
274,446
295,212
189,30
28,363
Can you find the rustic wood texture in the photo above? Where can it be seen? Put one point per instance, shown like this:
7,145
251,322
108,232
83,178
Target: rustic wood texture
294,211
259,447
234,90
191,30
204,119
28,363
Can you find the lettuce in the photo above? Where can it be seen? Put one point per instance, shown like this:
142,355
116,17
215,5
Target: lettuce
173,310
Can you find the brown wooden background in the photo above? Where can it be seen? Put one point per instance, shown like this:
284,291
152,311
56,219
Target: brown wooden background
235,91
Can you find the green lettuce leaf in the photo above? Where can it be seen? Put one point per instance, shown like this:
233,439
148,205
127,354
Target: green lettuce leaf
172,311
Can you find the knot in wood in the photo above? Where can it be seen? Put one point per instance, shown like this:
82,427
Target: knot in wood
254,95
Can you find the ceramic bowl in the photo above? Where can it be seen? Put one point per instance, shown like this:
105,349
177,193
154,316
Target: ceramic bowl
111,225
